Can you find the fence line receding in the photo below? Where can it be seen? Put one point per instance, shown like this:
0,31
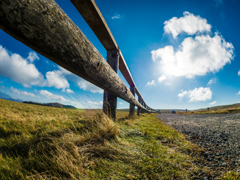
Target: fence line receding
45,27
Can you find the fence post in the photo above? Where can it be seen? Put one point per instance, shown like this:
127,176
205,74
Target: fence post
110,100
139,109
132,106
142,103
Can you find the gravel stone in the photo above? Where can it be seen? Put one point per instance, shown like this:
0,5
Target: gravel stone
217,134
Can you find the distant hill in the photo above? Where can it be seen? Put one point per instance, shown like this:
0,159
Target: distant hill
7,97
59,105
4,96
170,110
222,106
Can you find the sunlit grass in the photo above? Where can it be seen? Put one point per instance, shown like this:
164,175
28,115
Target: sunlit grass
230,176
38,142
223,110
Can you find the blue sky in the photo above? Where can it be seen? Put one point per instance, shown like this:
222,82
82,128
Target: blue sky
181,54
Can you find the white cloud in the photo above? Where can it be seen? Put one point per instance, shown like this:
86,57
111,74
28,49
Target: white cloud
64,71
95,103
22,70
56,79
151,83
162,78
120,103
52,96
87,86
182,94
19,69
1,81
32,57
82,84
211,81
3,87
195,56
197,94
239,72
116,16
69,91
214,102
24,93
238,93
189,24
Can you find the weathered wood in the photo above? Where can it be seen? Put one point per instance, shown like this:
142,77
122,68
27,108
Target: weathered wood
43,26
137,92
109,99
132,106
144,109
139,109
92,15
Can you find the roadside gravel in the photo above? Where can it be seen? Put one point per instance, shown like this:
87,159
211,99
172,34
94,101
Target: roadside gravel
217,134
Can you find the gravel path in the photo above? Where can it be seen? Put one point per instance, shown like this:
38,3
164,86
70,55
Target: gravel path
217,134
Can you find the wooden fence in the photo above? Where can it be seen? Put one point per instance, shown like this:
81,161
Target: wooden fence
44,26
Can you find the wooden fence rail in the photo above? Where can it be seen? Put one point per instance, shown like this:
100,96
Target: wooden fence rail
92,15
43,26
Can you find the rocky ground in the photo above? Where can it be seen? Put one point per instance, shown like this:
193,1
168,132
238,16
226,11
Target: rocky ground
217,134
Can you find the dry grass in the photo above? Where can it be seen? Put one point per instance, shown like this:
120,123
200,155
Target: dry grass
224,110
38,142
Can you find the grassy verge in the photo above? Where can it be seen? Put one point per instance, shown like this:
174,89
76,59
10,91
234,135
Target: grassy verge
53,143
228,110
230,176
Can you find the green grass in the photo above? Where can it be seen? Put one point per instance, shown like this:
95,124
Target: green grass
230,176
38,142
221,110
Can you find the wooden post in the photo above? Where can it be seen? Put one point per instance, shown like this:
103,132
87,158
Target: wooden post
139,109
142,110
146,111
132,106
57,38
109,99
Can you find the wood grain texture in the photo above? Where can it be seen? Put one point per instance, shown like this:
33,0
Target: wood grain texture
109,99
139,109
132,106
94,18
43,26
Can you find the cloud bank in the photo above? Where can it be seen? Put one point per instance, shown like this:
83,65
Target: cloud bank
24,93
19,69
56,79
189,24
195,56
23,71
197,94
52,96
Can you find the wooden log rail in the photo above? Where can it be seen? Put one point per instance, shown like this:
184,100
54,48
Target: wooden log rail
43,26
92,15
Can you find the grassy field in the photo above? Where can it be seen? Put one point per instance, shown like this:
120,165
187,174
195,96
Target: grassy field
219,110
38,142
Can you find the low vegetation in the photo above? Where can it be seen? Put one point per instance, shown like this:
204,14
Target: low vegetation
219,110
38,142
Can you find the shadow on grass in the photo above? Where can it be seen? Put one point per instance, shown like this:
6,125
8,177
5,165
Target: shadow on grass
7,134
